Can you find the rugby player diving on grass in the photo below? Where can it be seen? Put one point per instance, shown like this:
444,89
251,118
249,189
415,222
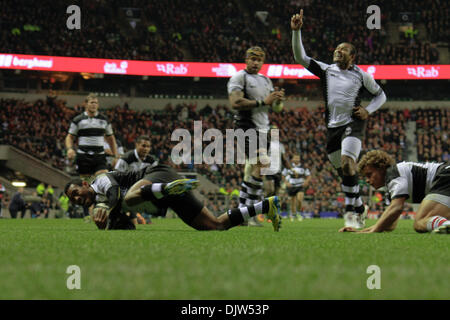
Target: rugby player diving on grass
160,186
424,183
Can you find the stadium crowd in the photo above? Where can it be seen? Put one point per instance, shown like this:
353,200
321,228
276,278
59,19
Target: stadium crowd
217,31
25,125
433,134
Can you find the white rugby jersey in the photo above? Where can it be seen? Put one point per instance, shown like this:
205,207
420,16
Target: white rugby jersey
297,176
411,180
90,132
255,87
342,88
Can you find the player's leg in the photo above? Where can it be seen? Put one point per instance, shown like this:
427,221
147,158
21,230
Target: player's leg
334,145
205,220
434,211
251,189
300,196
293,208
146,190
432,216
269,186
13,213
335,159
351,148
252,186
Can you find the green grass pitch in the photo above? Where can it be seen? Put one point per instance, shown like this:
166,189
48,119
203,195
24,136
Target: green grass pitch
169,260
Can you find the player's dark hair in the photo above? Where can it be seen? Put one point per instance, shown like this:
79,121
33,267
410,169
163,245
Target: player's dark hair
352,49
141,138
75,182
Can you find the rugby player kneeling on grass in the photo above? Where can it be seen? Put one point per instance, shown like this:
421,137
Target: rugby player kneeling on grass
159,186
424,183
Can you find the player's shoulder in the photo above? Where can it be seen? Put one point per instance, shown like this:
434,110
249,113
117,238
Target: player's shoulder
361,72
393,172
101,116
102,180
129,157
150,159
241,74
79,117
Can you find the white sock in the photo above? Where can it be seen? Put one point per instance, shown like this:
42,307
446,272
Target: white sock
435,222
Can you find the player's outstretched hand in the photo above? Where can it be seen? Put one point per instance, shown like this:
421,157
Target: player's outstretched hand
347,229
297,21
100,214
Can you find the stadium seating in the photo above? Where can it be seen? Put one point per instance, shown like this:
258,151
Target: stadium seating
217,31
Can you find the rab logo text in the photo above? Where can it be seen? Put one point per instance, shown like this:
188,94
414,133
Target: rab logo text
170,68
422,72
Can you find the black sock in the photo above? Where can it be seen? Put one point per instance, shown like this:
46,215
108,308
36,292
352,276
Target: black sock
239,215
350,187
154,190
251,191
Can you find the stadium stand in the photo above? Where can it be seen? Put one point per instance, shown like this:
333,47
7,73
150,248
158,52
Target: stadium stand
220,31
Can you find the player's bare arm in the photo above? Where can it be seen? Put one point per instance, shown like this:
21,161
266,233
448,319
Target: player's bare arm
69,146
390,215
111,140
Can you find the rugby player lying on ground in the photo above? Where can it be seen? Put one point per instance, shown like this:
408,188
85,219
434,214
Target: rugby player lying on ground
160,186
424,183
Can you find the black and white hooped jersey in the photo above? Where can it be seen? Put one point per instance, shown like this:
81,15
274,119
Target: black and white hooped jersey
112,186
90,132
254,87
297,175
131,161
410,179
342,91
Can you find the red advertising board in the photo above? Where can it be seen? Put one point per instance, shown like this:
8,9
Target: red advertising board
200,69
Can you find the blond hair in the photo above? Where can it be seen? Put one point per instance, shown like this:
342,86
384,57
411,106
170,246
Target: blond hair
91,96
376,158
255,51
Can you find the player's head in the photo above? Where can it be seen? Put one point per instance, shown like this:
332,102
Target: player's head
143,146
91,103
344,55
80,192
373,166
296,159
254,58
